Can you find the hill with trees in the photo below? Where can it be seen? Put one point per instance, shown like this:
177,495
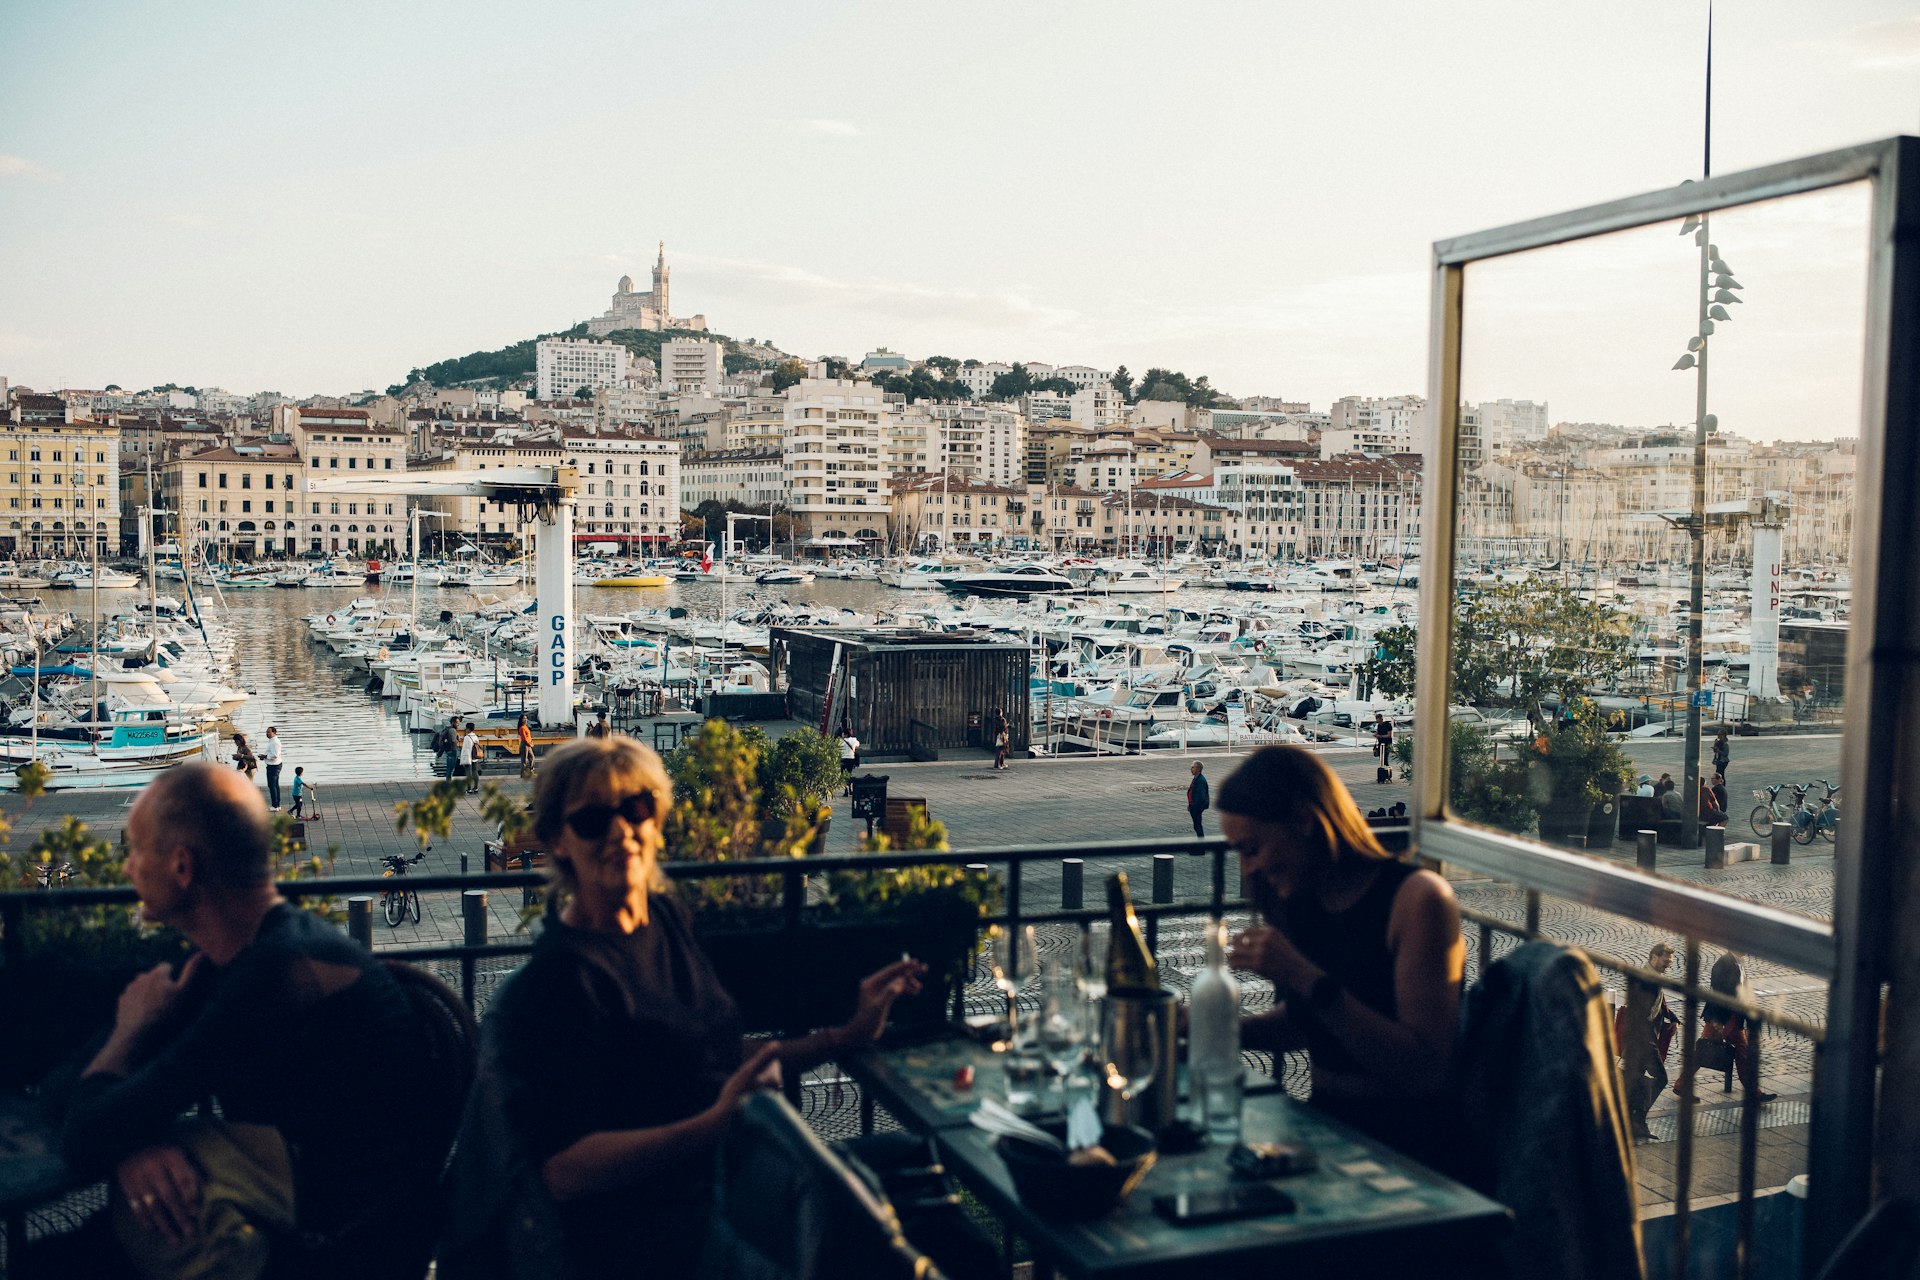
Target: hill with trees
516,361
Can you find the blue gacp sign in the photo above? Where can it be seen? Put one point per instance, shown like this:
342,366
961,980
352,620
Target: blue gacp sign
1701,698
557,650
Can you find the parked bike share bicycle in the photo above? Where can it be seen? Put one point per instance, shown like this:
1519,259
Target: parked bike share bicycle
399,902
1819,817
1772,808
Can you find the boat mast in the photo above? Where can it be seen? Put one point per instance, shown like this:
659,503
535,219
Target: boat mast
93,668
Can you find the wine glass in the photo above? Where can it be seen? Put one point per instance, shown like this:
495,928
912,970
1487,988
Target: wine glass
1092,961
1063,1020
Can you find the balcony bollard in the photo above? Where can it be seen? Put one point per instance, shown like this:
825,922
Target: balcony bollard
463,862
1782,843
1072,879
1163,877
1716,848
360,919
1645,844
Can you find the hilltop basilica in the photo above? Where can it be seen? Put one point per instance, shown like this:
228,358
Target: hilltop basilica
632,310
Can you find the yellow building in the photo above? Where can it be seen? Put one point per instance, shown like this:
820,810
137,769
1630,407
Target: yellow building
236,502
60,489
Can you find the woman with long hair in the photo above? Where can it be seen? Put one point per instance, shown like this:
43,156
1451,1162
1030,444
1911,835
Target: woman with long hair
615,1051
1364,951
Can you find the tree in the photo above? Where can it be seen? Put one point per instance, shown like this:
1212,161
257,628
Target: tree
786,373
1518,643
1059,386
1389,671
922,385
1481,787
583,392
1123,382
1012,384
947,365
836,367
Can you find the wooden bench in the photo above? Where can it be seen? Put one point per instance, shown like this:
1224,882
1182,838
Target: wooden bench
523,854
899,815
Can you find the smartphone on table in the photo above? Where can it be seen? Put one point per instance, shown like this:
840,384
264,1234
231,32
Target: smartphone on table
1228,1204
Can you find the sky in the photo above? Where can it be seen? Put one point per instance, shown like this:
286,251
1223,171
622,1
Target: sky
319,198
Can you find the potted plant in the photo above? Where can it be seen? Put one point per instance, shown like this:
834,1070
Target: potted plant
1574,770
736,795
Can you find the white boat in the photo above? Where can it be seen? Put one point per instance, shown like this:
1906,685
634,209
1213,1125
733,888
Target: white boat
140,745
784,576
1124,578
1018,581
83,577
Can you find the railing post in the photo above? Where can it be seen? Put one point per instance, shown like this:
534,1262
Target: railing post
473,915
1645,844
1072,883
463,862
1716,848
1162,893
360,919
1013,904
1782,833
1219,869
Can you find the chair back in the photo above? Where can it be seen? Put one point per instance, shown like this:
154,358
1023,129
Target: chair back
451,1035
787,1208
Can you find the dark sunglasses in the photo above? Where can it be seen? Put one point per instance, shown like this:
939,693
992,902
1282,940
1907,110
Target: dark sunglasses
592,822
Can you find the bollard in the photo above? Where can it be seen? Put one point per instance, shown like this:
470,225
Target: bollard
1645,844
1716,848
463,862
360,919
1072,879
473,914
1163,877
1782,843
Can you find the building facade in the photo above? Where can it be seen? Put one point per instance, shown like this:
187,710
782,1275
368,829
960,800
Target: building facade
629,487
562,366
245,501
62,490
346,444
834,456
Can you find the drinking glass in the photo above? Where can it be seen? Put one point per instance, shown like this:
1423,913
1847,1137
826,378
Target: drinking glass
1063,1020
1092,961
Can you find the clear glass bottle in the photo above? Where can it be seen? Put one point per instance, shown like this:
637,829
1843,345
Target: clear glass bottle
1216,1075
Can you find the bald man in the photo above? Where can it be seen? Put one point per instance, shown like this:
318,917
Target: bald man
306,1042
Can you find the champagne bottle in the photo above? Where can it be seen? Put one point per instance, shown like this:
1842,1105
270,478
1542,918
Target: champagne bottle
1130,966
1214,1067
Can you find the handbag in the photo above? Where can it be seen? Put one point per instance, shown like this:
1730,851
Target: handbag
246,1198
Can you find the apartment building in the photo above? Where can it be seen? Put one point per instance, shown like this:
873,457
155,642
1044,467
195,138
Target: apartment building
834,456
629,487
344,444
753,479
692,366
934,513
984,442
1156,523
493,524
244,501
562,366
61,494
1378,424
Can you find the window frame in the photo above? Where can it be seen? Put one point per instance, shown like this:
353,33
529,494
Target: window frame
1876,908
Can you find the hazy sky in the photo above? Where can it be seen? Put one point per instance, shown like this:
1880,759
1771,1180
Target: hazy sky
317,198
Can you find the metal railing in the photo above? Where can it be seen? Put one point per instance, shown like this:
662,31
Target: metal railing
1012,865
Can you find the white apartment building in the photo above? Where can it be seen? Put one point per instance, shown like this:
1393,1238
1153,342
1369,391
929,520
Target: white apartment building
1097,405
473,519
1046,406
979,377
983,442
834,455
755,479
1085,376
561,366
1378,425
344,444
1106,467
692,366
1506,424
629,487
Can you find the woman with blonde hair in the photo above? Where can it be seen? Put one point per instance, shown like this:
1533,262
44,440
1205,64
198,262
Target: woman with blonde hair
1364,951
614,1054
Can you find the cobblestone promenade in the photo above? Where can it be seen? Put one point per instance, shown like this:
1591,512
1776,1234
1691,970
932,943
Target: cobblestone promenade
1041,802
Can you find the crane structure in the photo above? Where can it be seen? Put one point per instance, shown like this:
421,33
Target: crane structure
544,498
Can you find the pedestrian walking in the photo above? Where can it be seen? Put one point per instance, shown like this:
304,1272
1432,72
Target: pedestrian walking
243,758
300,790
526,748
1723,1044
446,747
849,749
1644,1030
1199,797
1000,738
470,757
1383,747
270,757
1722,752
600,728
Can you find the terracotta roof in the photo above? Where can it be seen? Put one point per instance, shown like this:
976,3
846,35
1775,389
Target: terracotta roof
334,413
272,454
1220,444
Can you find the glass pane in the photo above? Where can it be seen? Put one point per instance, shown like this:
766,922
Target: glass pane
1584,708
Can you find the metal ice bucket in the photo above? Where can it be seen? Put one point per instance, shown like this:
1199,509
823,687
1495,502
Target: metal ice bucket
1138,1027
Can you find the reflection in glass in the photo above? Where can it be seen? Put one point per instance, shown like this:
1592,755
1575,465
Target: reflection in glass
1654,521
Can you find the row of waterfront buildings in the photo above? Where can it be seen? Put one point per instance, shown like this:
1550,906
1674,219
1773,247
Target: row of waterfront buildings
862,470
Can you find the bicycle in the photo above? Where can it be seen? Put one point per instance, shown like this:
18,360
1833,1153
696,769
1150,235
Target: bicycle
399,902
1772,809
1818,818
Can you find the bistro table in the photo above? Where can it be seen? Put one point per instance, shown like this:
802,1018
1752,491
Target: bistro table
1364,1210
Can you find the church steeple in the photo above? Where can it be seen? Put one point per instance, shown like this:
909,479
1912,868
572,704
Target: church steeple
660,287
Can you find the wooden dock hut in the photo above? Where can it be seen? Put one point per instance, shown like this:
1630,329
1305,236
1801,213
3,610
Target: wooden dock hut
905,692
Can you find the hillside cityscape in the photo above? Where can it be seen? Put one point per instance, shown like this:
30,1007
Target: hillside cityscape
882,453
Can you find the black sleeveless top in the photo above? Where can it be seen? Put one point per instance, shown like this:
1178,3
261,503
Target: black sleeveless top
1352,946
